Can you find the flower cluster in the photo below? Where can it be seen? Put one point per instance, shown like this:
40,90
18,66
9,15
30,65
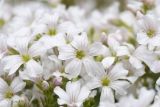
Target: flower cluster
56,55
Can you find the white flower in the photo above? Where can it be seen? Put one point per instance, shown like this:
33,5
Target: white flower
148,31
74,96
80,55
9,92
127,53
112,79
22,54
150,58
131,101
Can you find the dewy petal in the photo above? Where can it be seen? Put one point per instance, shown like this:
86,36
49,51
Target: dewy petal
83,94
117,72
95,49
12,63
107,94
73,68
33,68
135,62
120,86
63,96
108,61
66,52
142,38
3,86
17,85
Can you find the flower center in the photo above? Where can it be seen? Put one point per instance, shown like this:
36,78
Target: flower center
105,81
2,22
80,54
150,33
52,32
9,94
98,58
26,58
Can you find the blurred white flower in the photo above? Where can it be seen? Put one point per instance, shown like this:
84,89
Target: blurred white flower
74,95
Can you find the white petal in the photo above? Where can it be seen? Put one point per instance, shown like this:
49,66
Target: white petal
107,94
92,68
22,44
108,61
117,72
3,86
122,50
61,101
142,38
66,52
62,94
73,89
158,81
112,42
80,42
37,49
73,68
155,67
12,63
33,68
17,85
148,57
135,62
120,86
155,41
5,103
83,94
93,83
95,49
